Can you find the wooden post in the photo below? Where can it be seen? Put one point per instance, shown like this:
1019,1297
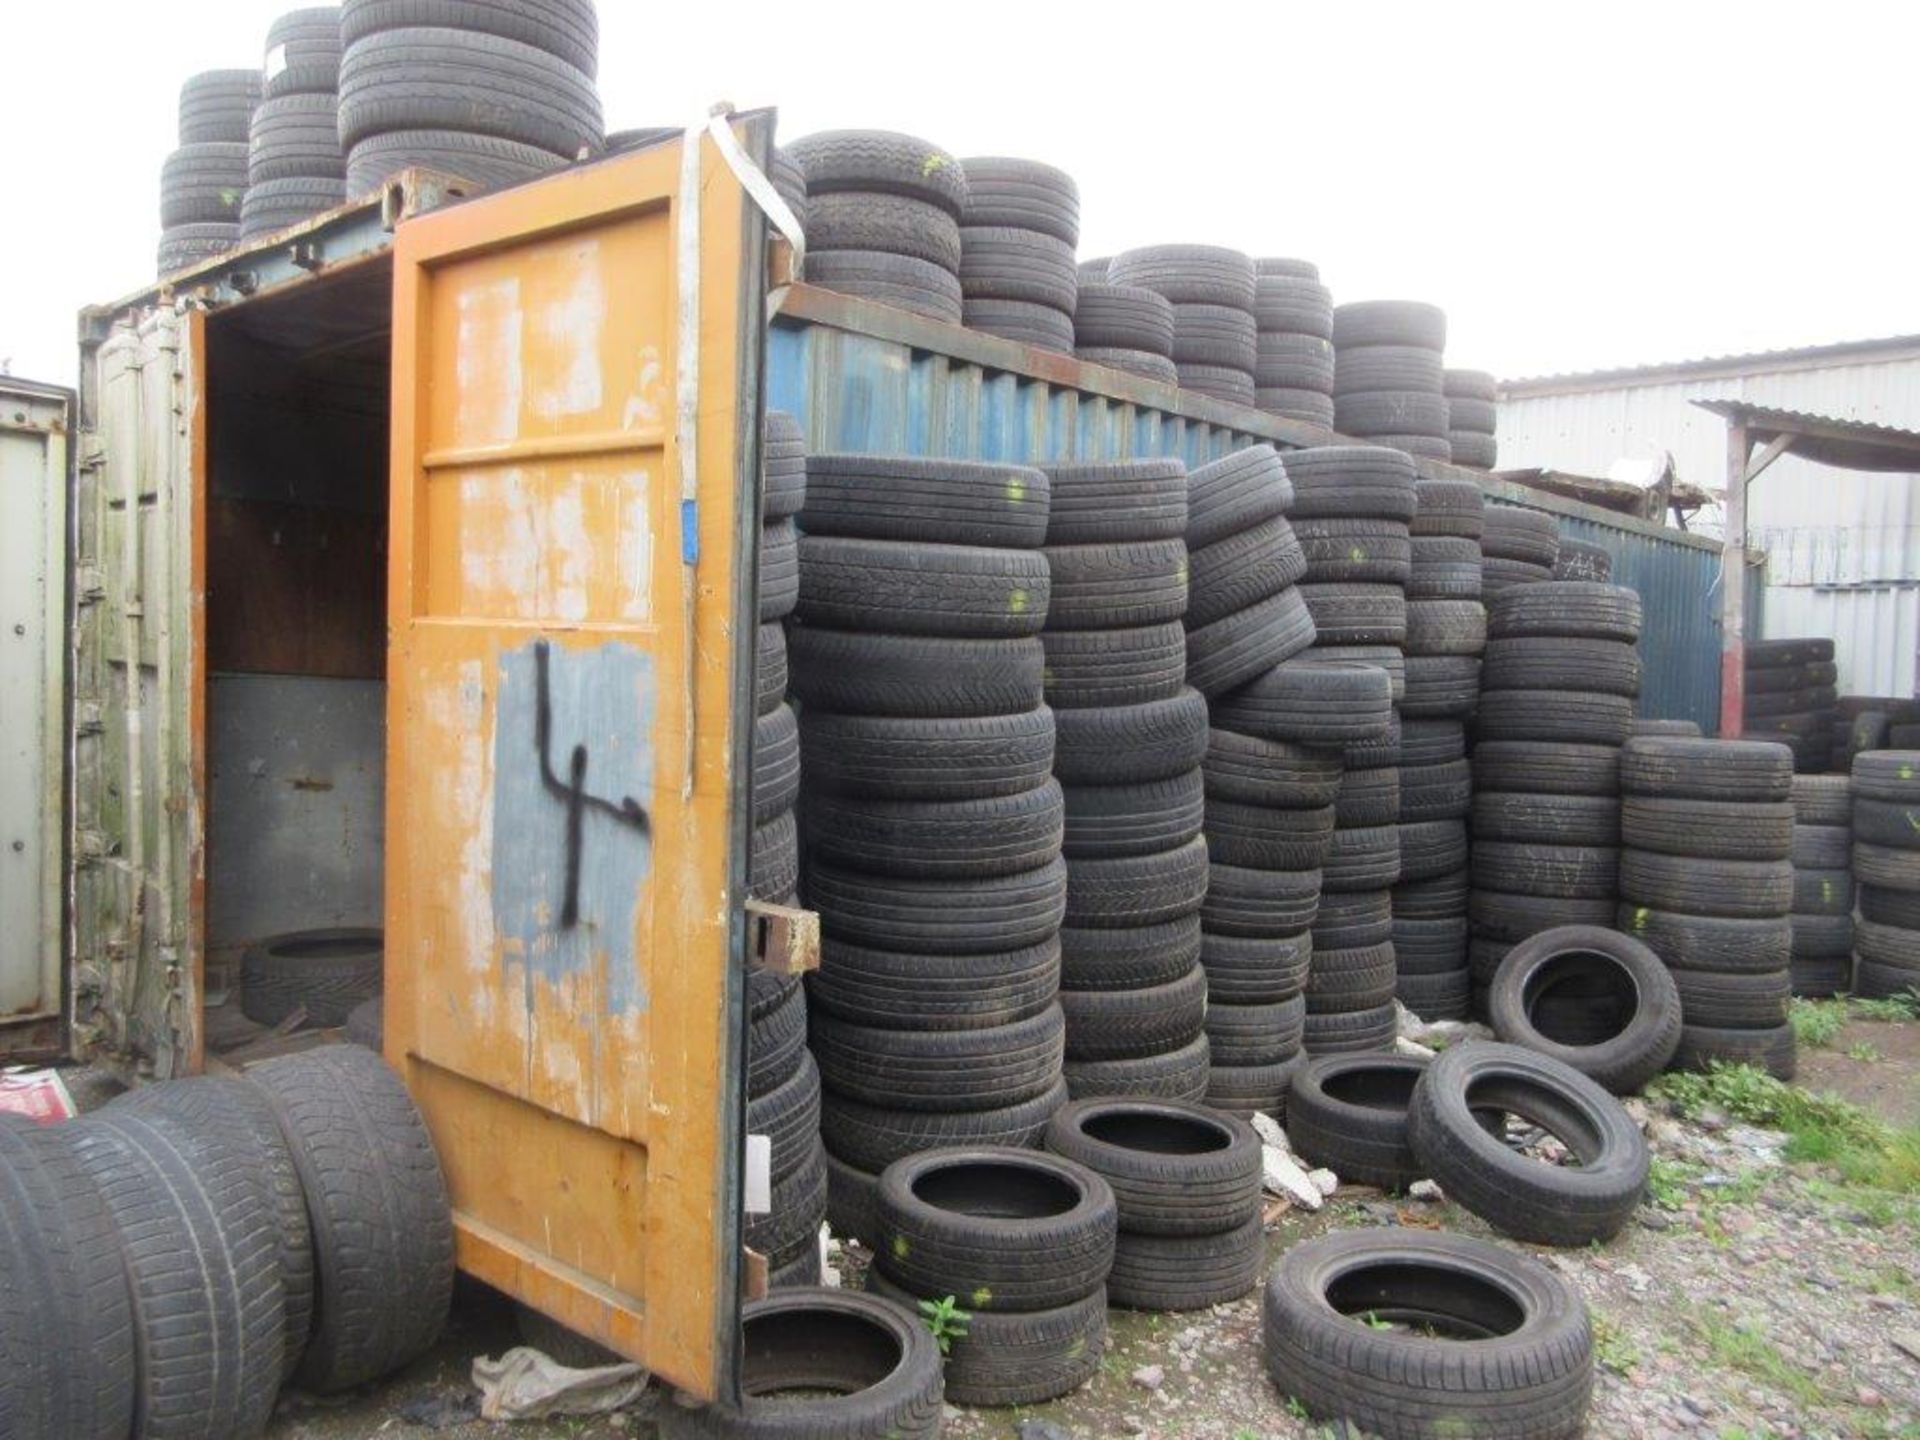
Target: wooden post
1733,587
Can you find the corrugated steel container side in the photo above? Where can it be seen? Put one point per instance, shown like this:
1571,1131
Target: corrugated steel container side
867,393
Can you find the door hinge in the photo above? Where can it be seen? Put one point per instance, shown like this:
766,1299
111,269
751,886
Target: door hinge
86,717
782,940
89,585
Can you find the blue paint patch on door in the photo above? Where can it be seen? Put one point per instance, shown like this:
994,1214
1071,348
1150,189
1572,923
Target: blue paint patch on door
572,840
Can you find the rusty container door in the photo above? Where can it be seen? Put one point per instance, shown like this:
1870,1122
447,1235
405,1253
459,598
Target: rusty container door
570,684
137,850
34,424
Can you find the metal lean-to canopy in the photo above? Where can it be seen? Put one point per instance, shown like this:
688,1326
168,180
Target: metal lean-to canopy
1847,444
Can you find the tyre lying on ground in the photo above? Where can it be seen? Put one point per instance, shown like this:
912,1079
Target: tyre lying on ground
323,973
1595,999
825,1362
1348,1113
1410,1334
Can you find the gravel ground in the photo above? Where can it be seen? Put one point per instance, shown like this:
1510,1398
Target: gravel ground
1752,1299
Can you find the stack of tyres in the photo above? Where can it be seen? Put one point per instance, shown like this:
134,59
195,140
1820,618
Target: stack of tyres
492,93
1187,1180
1886,863
1583,560
1517,547
1471,399
1354,509
932,822
1212,292
1293,359
783,1083
1267,806
1387,379
1822,884
203,182
1124,327
1706,882
295,167
1019,227
883,219
1130,736
1446,633
1792,697
1023,1242
1559,681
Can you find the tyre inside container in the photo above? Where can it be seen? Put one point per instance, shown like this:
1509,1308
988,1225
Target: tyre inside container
297,404
1434,1300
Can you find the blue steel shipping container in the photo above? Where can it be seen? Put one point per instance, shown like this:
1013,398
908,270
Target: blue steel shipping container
863,377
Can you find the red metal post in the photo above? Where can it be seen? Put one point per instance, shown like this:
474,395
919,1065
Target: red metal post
1733,587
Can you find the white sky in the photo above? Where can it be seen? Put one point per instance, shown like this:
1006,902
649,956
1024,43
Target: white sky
1615,183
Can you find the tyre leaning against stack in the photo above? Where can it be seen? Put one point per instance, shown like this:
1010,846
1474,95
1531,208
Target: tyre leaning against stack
503,94
1886,864
932,821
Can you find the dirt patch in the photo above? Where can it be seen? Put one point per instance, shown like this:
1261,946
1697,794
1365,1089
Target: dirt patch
1873,1063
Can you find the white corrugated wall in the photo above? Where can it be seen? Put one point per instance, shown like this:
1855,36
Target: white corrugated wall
1843,547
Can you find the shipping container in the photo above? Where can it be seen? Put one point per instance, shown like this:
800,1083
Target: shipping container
35,421
415,549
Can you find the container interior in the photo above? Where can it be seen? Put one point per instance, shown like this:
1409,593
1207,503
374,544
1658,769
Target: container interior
297,400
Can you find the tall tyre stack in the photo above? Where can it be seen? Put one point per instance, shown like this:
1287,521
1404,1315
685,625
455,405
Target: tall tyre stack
203,182
1212,292
1268,802
1446,632
1517,547
295,167
493,91
1293,358
1886,863
1558,686
932,821
1019,227
1353,509
783,1083
1706,882
1130,736
1792,698
1126,328
1823,890
1388,378
1472,399
883,219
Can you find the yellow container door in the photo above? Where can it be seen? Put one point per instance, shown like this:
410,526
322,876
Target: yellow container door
566,850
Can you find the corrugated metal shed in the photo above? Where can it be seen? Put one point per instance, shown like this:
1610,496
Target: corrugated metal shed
1824,530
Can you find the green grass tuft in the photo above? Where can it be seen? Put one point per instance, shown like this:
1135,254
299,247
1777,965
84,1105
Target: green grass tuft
1820,1129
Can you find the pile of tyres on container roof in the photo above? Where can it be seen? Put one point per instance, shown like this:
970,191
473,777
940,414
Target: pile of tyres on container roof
498,93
